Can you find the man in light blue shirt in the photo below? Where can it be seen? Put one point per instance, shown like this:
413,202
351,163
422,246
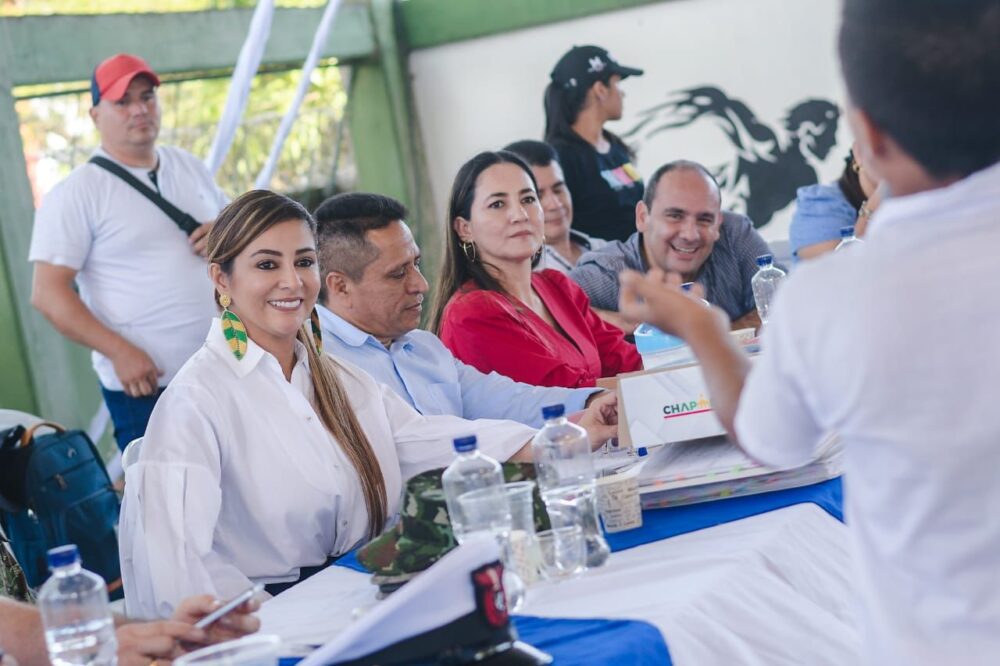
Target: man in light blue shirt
371,299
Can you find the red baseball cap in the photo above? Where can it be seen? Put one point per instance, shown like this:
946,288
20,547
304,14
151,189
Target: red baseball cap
111,77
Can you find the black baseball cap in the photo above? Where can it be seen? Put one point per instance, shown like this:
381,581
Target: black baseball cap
583,65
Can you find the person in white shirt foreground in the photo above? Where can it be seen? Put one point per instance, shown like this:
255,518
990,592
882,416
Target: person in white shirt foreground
892,343
265,458
139,643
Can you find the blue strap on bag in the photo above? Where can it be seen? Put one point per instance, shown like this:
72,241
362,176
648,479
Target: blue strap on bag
57,491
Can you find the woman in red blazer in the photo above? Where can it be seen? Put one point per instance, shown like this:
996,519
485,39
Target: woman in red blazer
492,311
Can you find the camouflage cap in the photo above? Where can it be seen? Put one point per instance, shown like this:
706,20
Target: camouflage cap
423,533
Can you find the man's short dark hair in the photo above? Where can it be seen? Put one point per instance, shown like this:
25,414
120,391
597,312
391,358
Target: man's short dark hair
342,224
535,153
676,165
927,73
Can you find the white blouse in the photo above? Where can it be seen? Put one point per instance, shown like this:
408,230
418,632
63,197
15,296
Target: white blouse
238,480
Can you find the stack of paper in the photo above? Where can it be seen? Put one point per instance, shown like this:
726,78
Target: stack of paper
712,468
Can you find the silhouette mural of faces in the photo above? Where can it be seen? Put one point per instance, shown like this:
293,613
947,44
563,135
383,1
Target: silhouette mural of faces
768,164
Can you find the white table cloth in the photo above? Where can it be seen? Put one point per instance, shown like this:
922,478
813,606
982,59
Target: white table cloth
770,589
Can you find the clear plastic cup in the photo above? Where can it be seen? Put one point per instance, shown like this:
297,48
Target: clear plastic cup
520,497
577,505
257,650
563,552
523,547
487,510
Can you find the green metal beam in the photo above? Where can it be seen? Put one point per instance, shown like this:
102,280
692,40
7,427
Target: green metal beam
428,23
393,60
373,134
173,42
17,390
387,145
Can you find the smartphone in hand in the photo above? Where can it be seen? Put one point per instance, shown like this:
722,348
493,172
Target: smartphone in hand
229,606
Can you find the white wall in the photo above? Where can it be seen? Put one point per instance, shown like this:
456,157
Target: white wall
771,54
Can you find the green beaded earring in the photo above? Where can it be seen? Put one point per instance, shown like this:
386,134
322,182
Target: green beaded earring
233,329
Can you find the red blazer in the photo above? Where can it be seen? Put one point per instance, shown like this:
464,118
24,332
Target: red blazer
493,331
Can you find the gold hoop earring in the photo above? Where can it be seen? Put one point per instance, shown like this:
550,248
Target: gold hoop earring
469,250
233,328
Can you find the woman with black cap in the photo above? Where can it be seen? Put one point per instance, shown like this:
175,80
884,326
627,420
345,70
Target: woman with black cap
581,97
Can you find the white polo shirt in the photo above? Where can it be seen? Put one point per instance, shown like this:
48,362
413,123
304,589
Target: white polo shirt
137,272
893,344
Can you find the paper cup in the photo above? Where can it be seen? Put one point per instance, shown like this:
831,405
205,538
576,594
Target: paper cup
618,501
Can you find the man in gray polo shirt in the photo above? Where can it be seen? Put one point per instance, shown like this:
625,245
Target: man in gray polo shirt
681,229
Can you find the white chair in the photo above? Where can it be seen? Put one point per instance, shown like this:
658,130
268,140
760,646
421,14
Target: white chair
130,455
11,417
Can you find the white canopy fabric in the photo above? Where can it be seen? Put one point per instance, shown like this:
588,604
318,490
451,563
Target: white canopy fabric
247,65
319,41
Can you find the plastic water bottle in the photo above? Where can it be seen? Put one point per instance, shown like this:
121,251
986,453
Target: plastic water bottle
471,470
847,239
765,283
566,478
73,602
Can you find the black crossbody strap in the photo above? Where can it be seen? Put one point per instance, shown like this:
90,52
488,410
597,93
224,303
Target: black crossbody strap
187,223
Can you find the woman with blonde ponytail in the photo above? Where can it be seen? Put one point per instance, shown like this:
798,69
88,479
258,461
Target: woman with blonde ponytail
265,458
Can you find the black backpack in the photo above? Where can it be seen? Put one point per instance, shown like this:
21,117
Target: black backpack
55,491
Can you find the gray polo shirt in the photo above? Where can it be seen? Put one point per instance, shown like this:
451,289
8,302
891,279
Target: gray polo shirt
725,275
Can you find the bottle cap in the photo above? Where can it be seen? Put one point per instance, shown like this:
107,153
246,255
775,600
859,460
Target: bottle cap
846,232
764,260
463,444
63,556
553,411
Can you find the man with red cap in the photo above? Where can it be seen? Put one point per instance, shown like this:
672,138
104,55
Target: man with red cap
129,228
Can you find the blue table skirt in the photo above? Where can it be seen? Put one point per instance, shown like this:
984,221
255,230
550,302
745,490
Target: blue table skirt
660,524
584,642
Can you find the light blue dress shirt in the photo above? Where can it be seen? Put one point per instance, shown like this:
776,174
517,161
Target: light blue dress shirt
424,373
820,212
